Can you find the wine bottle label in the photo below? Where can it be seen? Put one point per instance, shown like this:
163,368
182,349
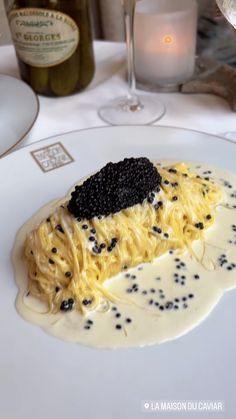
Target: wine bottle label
43,37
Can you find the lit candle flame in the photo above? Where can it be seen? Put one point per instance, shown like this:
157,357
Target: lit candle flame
168,39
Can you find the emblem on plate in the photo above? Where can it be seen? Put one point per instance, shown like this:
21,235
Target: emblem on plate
51,157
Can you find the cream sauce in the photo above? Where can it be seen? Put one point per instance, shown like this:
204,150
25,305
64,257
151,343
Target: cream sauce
163,299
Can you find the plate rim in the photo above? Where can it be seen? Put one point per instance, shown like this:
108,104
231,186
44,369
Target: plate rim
64,351
51,137
8,150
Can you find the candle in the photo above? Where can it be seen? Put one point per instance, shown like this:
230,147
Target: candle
165,41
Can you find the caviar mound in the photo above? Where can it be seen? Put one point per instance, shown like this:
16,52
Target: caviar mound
115,187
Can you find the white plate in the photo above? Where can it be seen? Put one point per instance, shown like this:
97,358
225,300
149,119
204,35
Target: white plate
42,377
19,107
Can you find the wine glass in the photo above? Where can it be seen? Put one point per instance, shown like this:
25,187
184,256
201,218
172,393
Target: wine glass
228,8
131,109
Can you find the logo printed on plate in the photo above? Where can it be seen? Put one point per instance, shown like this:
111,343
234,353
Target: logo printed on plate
51,157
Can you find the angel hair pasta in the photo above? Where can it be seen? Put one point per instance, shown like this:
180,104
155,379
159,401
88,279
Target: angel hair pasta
128,213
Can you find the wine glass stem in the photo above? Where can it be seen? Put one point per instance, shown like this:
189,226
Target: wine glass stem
129,8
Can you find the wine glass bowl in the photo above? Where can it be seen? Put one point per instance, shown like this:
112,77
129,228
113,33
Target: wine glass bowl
228,8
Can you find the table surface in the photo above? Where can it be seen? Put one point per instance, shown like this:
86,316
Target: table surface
200,112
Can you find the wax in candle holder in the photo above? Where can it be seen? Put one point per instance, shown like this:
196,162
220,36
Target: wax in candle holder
165,42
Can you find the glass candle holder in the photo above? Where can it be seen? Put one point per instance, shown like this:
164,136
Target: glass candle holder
165,43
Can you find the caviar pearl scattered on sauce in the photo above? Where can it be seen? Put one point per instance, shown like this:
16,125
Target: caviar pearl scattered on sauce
161,300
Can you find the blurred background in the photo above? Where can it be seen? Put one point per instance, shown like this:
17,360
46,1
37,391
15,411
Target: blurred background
216,38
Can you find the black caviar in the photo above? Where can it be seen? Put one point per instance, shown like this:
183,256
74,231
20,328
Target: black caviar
115,187
157,229
200,226
59,228
67,305
86,302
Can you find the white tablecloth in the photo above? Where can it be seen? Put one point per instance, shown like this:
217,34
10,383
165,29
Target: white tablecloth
59,115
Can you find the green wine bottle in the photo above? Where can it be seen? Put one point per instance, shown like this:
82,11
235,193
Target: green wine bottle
53,42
